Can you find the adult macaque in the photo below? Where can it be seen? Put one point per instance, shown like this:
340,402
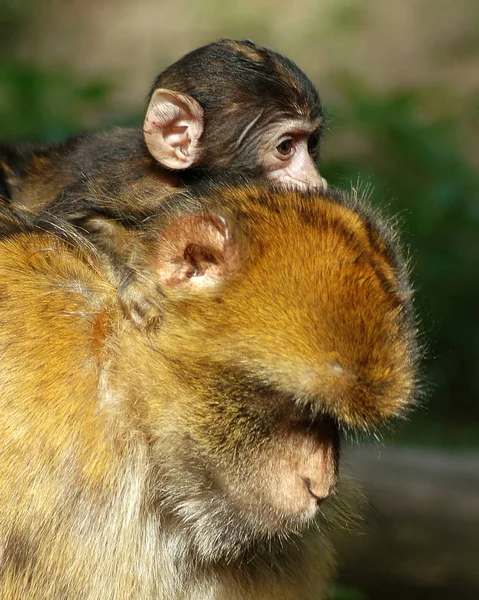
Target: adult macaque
195,456
227,107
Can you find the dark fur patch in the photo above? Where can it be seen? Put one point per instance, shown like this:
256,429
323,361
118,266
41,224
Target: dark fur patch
19,554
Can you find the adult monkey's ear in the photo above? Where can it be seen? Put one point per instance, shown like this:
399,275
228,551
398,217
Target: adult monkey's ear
172,128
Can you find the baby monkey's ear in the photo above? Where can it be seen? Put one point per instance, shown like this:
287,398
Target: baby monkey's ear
196,252
172,128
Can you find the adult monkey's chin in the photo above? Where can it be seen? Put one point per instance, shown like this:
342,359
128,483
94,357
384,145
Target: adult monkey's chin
224,511
290,478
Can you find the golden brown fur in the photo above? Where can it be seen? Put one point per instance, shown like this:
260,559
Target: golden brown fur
158,458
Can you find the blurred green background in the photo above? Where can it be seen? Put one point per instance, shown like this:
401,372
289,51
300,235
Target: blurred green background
400,83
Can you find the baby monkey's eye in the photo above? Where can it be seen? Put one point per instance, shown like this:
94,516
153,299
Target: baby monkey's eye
313,143
285,147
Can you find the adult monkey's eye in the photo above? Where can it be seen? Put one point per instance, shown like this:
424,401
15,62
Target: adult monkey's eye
285,147
313,143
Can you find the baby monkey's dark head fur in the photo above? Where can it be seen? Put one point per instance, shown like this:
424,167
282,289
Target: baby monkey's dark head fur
241,85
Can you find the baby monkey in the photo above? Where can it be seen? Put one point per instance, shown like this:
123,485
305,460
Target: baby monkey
263,114
228,107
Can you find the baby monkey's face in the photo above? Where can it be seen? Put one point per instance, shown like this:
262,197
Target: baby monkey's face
288,151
